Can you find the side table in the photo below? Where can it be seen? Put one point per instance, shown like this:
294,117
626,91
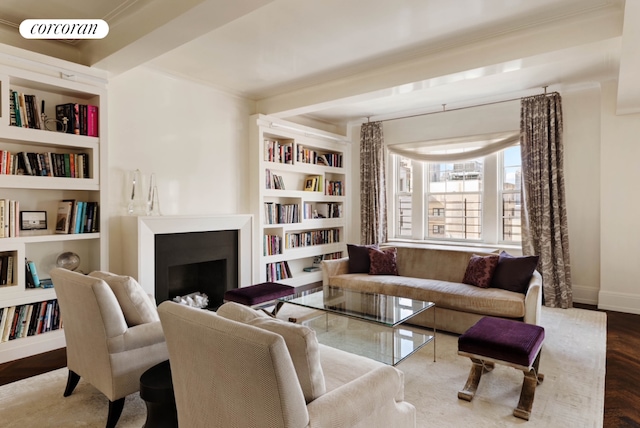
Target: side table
156,389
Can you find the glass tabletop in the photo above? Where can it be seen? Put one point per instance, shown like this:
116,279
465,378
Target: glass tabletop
378,308
366,324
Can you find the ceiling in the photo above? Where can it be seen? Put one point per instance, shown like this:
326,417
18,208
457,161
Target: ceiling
337,61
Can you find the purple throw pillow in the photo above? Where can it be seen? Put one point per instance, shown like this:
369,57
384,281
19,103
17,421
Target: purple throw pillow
480,270
359,257
514,273
383,261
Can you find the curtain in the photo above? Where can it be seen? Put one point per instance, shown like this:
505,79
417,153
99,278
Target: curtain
544,215
373,196
424,153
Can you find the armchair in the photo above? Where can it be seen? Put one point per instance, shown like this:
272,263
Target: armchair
234,371
101,347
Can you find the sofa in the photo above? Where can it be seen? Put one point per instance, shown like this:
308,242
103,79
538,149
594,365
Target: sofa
438,275
239,367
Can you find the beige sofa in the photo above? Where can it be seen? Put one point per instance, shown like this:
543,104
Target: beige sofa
436,275
238,367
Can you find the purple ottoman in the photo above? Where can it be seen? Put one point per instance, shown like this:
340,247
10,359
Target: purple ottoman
259,294
502,341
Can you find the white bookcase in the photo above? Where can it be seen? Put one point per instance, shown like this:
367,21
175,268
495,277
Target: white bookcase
307,218
42,193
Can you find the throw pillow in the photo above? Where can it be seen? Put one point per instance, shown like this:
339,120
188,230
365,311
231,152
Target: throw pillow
383,261
359,257
304,351
241,313
136,305
480,270
514,273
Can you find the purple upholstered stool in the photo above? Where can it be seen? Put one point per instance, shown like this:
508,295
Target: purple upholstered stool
259,295
502,341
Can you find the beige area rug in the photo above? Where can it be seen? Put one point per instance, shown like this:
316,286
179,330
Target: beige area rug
572,394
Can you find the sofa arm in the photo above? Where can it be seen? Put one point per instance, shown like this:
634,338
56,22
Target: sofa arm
350,403
334,267
136,337
533,300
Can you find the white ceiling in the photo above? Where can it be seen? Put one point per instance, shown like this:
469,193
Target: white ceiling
343,60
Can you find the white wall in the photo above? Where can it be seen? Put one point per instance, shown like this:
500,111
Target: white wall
581,107
620,207
194,138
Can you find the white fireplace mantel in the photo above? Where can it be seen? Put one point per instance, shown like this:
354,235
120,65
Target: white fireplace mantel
139,245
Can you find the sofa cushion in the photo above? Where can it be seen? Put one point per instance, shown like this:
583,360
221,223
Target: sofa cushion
480,270
304,351
383,261
514,273
241,313
137,307
448,295
359,257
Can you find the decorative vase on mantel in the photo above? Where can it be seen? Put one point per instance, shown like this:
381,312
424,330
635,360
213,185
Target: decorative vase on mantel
136,202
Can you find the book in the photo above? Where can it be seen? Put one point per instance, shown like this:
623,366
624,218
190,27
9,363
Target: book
8,323
31,267
63,216
92,121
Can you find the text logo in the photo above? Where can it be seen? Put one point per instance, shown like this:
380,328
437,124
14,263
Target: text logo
64,29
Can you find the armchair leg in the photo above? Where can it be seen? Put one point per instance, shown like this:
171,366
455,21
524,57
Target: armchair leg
72,382
115,410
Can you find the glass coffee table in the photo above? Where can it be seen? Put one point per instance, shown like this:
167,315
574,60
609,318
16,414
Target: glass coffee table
368,324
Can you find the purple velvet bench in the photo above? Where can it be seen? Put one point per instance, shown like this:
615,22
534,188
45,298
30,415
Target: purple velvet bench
259,295
511,343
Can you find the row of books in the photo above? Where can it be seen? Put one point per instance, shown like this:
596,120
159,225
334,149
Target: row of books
333,188
33,279
25,111
273,181
313,237
29,319
7,271
311,156
73,165
277,151
81,119
77,217
322,210
277,271
272,245
9,218
275,213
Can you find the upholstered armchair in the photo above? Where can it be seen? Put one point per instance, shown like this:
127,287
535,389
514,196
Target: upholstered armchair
113,333
241,368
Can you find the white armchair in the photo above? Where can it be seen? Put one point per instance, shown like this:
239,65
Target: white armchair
101,347
241,373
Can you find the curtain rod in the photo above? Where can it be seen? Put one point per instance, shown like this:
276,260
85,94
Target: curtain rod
466,107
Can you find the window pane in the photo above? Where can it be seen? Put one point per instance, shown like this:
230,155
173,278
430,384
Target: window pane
455,200
511,187
404,186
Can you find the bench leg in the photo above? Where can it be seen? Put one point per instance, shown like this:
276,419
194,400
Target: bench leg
478,367
531,379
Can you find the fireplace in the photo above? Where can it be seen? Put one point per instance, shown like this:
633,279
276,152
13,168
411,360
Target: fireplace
205,262
178,255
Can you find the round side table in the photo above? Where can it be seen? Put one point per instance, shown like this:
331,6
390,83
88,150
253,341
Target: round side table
156,389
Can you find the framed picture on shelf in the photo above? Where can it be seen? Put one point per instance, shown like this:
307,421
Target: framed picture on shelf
33,220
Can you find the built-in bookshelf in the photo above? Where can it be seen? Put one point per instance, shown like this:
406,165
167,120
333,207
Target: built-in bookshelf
47,158
299,194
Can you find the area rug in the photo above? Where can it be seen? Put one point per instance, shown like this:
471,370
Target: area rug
572,394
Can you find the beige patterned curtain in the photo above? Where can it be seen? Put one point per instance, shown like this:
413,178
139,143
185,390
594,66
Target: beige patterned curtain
545,231
373,195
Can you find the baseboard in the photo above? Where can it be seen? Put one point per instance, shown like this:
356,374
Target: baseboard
619,302
586,295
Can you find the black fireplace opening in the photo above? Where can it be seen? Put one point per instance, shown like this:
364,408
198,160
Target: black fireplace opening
205,262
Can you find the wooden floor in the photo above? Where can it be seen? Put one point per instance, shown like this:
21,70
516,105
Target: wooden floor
621,398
